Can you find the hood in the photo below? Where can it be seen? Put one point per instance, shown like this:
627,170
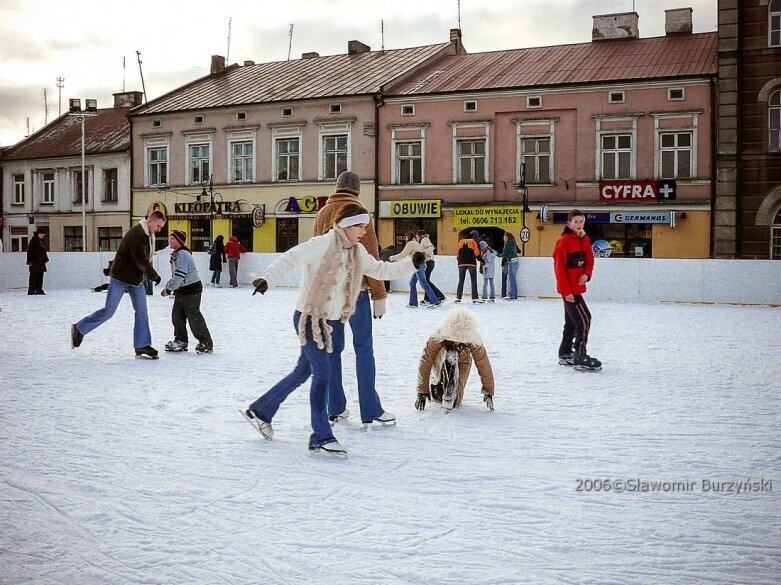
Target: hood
459,325
234,239
346,197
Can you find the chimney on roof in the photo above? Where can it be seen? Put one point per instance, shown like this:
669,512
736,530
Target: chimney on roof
678,21
127,99
355,47
615,26
310,55
248,63
455,40
74,105
218,64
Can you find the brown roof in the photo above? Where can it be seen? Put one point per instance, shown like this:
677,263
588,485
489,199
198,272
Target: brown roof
109,131
332,76
689,55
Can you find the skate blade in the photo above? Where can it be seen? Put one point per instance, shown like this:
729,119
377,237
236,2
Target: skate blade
255,424
320,452
585,369
147,357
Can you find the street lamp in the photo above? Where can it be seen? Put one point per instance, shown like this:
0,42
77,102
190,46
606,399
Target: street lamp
91,107
210,194
524,191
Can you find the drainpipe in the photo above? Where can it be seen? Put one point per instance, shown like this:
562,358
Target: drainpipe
378,103
714,164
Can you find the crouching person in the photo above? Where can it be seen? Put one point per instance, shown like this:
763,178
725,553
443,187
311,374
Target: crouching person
447,359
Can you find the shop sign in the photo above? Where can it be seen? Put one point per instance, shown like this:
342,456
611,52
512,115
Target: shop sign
306,204
157,206
663,217
488,215
216,208
561,217
259,215
636,191
18,230
416,208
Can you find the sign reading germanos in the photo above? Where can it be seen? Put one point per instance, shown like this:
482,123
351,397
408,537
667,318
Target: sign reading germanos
488,215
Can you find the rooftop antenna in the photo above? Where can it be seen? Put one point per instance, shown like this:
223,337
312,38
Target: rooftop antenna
459,14
27,121
228,54
45,108
382,35
60,85
123,75
143,87
290,43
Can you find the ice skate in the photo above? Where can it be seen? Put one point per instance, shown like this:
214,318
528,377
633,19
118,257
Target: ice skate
262,427
342,416
412,306
204,347
585,363
176,345
386,419
477,301
146,352
334,448
435,305
567,359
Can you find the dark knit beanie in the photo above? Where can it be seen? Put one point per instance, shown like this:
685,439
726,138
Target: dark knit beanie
475,234
348,182
180,236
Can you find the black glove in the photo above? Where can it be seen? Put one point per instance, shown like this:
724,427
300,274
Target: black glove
489,401
157,280
420,403
107,271
261,286
418,259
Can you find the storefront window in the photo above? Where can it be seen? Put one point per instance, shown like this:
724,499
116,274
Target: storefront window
287,233
626,240
775,237
243,229
199,240
412,224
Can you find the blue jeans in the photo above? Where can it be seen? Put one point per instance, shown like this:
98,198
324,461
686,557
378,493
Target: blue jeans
369,400
486,283
314,362
512,278
420,275
116,289
216,276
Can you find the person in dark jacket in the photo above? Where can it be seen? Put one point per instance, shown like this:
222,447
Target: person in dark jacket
132,262
217,259
468,251
36,260
573,264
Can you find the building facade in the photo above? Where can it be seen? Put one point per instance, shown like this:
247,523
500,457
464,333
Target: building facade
748,202
621,128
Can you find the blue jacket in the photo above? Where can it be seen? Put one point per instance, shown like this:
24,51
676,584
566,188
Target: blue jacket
184,275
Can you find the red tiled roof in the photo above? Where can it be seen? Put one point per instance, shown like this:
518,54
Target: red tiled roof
601,61
336,75
109,131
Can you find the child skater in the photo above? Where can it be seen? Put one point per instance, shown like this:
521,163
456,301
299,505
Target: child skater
447,359
488,257
333,268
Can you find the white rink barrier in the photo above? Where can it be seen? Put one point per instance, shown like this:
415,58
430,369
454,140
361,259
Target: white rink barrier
615,279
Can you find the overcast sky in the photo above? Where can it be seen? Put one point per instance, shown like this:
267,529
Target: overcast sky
85,42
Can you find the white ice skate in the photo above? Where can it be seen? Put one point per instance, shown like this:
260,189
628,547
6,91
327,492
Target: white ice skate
334,448
264,428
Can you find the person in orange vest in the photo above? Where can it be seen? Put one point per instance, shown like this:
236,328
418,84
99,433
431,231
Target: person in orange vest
468,251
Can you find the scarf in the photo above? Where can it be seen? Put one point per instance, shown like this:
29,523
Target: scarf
145,226
322,288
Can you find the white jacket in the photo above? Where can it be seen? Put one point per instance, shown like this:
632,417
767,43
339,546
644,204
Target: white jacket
309,254
409,248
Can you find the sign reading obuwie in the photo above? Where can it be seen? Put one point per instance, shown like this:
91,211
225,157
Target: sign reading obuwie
487,215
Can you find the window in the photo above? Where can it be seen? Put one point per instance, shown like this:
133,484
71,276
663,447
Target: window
334,155
774,23
774,117
199,163
109,238
157,123
241,115
287,233
18,189
676,94
335,108
471,161
675,155
775,237
197,119
287,112
48,189
408,110
242,157
77,187
615,97
537,159
158,165
470,106
409,161
110,193
616,156
287,159
73,239
534,102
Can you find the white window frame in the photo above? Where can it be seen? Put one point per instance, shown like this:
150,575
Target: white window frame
287,112
407,112
775,237
691,126
157,123
76,189
48,187
519,138
599,120
156,144
411,134
198,140
532,106
774,17
241,137
335,108
18,189
286,133
670,97
473,108
106,191
241,116
199,119
456,162
771,107
325,131
618,94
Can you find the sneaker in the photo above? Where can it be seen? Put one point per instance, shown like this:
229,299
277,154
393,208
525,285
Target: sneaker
344,415
567,359
76,336
146,352
477,301
332,448
204,347
585,362
386,418
264,428
176,345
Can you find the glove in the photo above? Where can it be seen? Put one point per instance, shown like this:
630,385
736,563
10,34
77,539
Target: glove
379,308
157,280
489,401
418,259
261,286
420,403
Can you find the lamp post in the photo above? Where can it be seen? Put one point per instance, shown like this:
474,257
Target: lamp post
91,107
524,191
210,194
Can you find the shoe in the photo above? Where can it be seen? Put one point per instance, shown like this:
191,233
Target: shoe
76,336
585,362
434,305
457,301
344,415
147,351
264,428
477,301
331,448
204,347
386,418
176,345
567,359
412,306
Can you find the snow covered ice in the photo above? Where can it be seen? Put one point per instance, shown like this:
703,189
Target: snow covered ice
117,470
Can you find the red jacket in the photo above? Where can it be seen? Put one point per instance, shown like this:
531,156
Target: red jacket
234,248
572,257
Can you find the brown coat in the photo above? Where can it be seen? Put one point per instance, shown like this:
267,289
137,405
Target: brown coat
324,221
434,355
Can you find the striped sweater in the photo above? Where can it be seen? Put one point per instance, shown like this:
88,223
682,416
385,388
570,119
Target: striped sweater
184,274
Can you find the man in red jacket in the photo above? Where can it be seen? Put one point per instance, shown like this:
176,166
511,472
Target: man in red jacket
573,263
234,249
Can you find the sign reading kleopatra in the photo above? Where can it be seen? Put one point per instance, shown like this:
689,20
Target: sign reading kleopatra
636,191
416,208
509,215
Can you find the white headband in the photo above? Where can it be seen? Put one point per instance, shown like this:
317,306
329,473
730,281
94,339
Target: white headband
363,218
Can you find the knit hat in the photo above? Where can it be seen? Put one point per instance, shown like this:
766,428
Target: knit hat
180,236
483,245
348,182
475,234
